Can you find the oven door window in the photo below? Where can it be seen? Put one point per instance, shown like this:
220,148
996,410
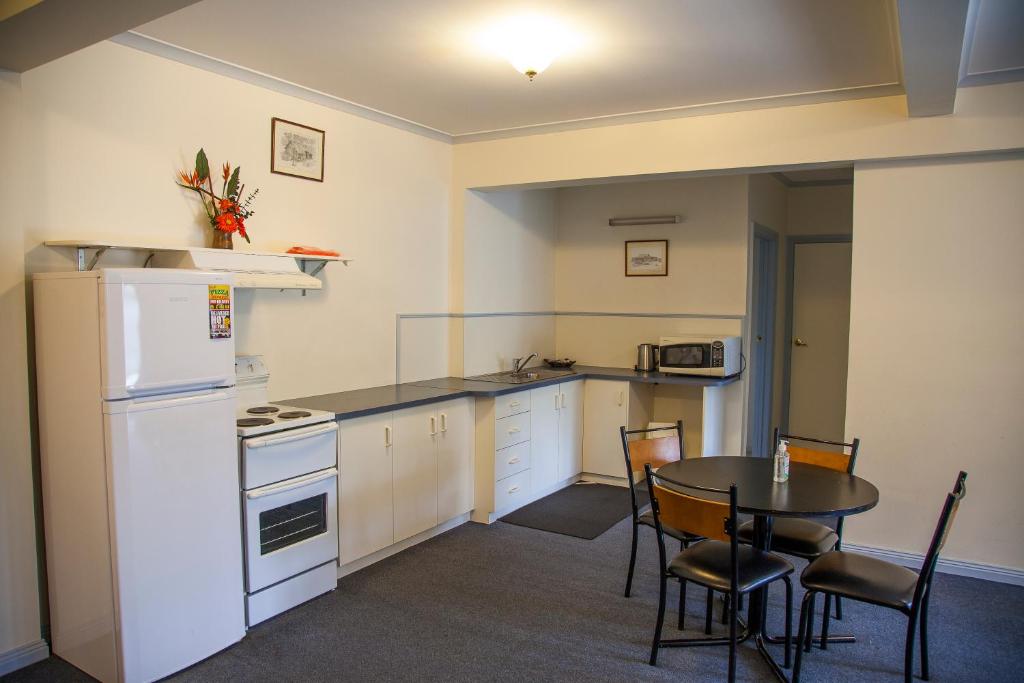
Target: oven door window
686,355
293,523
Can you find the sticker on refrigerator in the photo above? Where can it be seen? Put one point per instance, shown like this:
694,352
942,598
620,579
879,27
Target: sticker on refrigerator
220,311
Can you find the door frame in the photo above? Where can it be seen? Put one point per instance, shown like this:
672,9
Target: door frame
787,362
768,374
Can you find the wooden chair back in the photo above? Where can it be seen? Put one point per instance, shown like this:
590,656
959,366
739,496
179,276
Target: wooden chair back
707,518
655,451
841,461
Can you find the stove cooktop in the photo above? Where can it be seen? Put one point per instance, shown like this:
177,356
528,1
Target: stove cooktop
268,418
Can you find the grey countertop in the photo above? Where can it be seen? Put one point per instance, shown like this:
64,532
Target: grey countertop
359,402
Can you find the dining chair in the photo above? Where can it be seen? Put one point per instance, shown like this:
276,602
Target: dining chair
719,563
877,582
658,451
805,538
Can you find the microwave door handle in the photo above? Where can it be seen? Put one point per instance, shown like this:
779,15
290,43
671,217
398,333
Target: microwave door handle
292,436
291,484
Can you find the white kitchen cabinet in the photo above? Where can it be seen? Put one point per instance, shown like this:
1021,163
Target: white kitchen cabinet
365,498
611,404
415,470
570,430
454,458
545,403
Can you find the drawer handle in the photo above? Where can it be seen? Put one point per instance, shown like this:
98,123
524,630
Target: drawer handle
513,430
513,404
514,489
514,460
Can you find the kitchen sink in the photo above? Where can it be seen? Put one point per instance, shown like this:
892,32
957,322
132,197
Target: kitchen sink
524,377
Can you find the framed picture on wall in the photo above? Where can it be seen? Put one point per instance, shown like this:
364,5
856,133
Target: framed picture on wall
647,258
296,150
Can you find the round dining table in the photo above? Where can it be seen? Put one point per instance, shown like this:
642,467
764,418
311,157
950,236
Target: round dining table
811,491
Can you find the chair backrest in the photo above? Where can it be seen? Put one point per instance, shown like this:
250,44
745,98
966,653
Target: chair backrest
656,451
946,517
841,461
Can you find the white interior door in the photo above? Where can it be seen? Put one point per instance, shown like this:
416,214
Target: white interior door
820,339
366,517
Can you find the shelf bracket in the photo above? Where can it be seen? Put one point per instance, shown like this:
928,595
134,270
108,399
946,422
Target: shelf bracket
80,258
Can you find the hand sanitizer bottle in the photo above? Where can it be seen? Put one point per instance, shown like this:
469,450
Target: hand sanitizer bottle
782,462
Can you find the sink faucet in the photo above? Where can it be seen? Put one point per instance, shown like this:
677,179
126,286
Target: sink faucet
519,364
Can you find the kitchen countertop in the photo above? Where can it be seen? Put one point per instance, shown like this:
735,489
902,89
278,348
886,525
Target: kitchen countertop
359,402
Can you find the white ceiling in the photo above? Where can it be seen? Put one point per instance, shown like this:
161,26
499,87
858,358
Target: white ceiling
417,60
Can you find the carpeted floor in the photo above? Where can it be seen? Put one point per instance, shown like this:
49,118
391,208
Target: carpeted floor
508,603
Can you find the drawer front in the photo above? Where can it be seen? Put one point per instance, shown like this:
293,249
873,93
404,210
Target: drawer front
512,491
511,460
512,404
511,430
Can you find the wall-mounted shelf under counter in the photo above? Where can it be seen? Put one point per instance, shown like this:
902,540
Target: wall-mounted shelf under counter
251,269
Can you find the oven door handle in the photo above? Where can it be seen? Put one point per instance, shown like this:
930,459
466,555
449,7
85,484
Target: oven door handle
292,436
291,484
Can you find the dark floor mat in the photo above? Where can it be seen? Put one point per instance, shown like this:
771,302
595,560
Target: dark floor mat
581,510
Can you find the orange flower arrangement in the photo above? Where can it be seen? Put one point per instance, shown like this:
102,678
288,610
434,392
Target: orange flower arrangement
227,212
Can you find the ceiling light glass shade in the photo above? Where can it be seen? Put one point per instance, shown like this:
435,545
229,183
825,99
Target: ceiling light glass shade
529,42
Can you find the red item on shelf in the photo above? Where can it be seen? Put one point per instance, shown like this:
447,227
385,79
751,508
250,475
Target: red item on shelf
312,251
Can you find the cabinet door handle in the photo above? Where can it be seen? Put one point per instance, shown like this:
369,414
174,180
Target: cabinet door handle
513,461
387,437
556,402
621,397
433,425
444,423
563,400
514,489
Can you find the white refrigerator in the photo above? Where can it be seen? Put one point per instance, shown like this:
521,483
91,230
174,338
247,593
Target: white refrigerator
139,468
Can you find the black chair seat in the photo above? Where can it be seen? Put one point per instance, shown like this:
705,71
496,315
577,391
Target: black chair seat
707,563
862,578
647,519
800,537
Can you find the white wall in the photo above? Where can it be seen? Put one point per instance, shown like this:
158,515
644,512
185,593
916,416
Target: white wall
19,594
936,341
109,126
113,124
509,266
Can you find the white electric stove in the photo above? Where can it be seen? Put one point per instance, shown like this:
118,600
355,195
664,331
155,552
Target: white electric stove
288,461
256,415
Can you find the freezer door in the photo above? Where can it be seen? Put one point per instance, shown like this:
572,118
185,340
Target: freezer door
172,468
163,333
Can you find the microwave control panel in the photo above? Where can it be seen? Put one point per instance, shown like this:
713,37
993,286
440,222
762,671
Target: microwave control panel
717,354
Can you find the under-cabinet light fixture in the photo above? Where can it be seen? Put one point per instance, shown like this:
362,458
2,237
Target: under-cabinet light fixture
645,220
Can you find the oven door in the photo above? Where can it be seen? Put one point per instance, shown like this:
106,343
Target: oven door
290,527
692,358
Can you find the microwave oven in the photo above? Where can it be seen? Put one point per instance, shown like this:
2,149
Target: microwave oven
700,355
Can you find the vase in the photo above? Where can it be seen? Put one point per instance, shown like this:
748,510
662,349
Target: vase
222,240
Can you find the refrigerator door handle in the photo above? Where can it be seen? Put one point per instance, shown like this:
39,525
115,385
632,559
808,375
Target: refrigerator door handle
139,403
184,385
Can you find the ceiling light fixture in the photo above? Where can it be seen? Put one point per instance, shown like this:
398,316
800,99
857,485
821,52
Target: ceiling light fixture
530,42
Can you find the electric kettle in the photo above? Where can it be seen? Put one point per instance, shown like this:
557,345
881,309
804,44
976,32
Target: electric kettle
647,357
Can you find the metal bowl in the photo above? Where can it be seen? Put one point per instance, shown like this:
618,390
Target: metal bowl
559,362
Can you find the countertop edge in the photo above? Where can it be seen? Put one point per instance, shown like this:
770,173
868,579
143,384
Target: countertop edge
584,372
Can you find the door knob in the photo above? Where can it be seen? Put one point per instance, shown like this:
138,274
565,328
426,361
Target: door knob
799,342
760,338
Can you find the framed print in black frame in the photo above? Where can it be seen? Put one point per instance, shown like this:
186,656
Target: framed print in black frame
646,258
296,150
